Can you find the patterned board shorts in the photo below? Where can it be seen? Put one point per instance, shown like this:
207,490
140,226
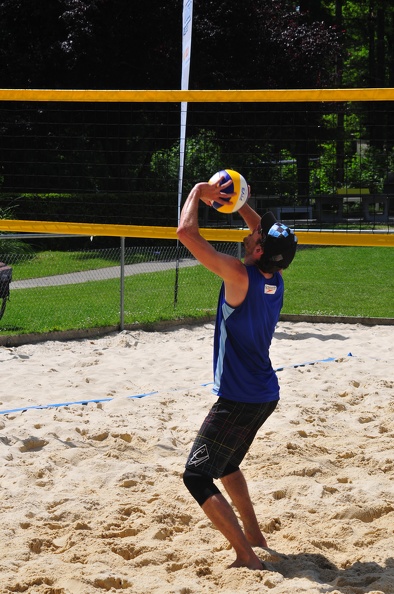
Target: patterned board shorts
226,435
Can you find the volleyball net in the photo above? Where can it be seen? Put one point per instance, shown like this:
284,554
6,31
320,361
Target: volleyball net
106,163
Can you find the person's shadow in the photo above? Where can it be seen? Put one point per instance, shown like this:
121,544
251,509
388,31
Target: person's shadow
305,335
358,578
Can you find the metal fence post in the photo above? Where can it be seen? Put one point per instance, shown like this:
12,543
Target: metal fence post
122,275
239,250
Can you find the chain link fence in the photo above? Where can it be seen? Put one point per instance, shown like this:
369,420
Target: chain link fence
103,289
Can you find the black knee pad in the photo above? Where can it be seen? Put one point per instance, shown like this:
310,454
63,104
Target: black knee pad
200,487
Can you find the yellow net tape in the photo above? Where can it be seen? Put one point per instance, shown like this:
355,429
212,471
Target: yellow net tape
201,96
348,238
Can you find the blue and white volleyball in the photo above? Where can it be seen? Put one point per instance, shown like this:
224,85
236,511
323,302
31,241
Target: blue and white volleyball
238,187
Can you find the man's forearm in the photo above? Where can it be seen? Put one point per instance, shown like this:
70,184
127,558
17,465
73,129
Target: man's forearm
250,216
189,214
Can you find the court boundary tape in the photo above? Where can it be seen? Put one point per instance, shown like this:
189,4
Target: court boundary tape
143,395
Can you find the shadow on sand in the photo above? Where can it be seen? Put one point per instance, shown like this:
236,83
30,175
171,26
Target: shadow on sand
357,578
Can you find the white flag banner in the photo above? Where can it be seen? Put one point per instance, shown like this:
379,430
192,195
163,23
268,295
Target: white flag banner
186,53
186,42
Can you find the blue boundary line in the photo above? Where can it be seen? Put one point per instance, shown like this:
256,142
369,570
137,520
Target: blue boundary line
97,400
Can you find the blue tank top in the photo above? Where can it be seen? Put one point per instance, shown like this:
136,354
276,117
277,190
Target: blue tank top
243,334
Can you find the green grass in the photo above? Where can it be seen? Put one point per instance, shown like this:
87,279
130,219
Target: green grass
339,281
322,281
149,298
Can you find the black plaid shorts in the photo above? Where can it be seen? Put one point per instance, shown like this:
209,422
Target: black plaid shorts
226,435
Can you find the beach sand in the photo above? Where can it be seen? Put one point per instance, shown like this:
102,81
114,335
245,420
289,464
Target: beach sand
92,499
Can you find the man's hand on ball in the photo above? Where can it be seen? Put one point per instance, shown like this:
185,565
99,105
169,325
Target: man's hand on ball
210,193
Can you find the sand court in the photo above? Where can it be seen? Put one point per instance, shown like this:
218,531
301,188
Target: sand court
94,434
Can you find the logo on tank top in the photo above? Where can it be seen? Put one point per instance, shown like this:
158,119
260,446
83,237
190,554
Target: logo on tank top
270,289
199,456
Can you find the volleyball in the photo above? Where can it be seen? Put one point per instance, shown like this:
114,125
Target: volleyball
239,187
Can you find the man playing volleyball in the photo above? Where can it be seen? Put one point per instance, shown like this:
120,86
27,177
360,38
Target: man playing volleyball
250,301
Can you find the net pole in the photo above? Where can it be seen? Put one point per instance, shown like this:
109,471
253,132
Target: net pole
187,22
122,283
186,53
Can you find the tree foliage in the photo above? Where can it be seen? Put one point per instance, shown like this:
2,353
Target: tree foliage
90,44
263,45
203,156
125,44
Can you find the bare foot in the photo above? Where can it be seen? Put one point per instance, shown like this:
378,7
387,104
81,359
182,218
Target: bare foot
252,563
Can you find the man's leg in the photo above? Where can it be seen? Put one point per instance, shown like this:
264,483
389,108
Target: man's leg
222,437
237,489
221,514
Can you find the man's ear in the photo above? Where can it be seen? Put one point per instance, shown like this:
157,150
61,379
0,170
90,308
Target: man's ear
258,251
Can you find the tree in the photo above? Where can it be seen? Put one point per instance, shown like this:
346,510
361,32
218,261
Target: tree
367,62
90,44
271,46
203,157
119,44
